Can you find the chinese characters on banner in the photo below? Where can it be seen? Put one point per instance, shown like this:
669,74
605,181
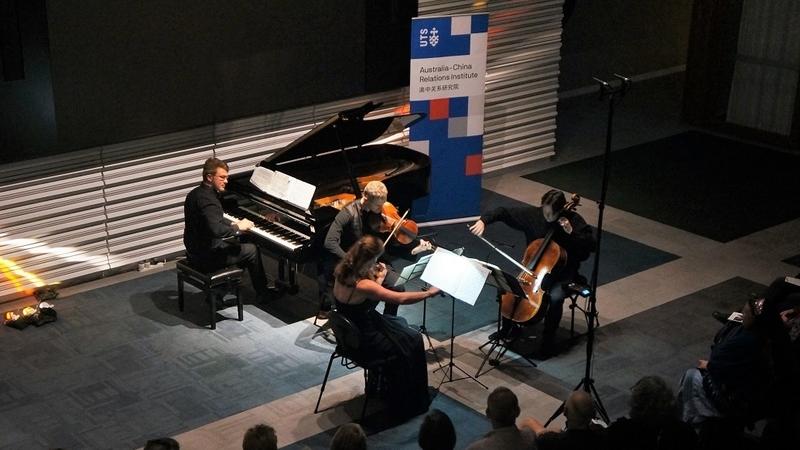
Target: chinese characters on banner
448,71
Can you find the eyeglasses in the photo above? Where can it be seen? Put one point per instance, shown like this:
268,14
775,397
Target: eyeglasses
756,305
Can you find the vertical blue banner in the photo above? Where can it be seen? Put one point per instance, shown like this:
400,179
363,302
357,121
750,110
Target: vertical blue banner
448,71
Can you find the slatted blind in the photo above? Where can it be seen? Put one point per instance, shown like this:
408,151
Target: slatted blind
764,86
106,208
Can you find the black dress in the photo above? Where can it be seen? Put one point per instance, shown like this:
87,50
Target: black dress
388,336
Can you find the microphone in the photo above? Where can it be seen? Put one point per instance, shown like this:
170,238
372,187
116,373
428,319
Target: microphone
626,83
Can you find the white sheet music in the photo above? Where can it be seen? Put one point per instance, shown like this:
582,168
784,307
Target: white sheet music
460,277
285,187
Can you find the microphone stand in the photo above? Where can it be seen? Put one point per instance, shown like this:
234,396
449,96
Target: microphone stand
612,94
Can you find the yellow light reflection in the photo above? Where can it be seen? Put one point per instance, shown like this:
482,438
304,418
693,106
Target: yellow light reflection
20,278
16,275
70,254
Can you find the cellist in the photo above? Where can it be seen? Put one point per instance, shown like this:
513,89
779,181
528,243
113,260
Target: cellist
571,232
351,223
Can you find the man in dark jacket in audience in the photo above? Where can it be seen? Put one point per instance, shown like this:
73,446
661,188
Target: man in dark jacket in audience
580,432
502,408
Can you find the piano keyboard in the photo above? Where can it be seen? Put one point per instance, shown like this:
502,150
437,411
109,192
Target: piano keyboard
276,233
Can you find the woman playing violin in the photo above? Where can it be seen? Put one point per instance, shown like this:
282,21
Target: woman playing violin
358,289
571,232
364,216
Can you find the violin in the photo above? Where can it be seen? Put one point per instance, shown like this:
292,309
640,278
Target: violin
389,221
542,257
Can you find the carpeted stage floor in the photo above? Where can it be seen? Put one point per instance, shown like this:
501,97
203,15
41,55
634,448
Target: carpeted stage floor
123,365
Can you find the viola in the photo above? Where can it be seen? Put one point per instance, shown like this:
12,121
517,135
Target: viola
542,257
390,221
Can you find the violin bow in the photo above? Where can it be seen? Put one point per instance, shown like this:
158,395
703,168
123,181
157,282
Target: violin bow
397,226
523,268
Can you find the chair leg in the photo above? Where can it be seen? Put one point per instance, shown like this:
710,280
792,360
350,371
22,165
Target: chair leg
572,322
321,303
366,396
212,308
180,292
239,306
325,381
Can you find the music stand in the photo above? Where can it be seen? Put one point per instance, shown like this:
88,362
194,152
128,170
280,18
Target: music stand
411,272
461,278
503,282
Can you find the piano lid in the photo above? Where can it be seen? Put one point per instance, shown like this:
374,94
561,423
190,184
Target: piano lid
344,130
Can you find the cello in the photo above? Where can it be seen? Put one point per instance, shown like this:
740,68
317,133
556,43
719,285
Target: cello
542,257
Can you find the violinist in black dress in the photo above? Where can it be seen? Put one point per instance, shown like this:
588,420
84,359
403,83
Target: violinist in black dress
358,290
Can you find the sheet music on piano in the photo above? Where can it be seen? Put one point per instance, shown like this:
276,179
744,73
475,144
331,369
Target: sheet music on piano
283,186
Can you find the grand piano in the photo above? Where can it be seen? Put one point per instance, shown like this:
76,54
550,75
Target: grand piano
336,157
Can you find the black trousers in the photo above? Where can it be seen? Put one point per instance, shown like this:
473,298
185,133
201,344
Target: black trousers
244,255
555,308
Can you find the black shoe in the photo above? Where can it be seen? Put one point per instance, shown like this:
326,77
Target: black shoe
547,349
513,333
721,318
544,352
507,334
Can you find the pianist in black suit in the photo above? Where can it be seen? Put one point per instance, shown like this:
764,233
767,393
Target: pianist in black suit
351,223
211,240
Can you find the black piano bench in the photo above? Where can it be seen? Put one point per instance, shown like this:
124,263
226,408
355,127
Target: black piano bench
228,278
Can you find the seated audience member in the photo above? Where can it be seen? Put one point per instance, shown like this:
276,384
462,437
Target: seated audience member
162,444
437,432
653,421
580,432
502,409
782,429
260,437
349,436
733,382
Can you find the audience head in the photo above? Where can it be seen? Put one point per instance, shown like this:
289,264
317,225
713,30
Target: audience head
502,407
579,410
553,202
437,432
358,260
651,399
349,436
753,316
375,194
260,437
162,444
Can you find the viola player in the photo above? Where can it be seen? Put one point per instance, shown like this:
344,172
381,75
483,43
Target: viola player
355,220
570,232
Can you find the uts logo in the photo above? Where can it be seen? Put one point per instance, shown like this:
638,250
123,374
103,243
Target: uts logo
428,37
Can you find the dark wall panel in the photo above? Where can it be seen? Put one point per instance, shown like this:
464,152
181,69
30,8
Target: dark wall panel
27,118
624,36
125,69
